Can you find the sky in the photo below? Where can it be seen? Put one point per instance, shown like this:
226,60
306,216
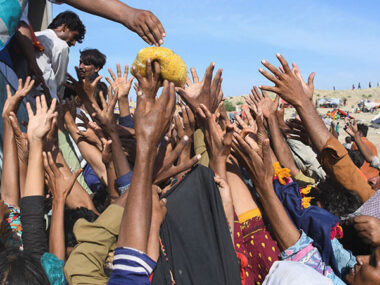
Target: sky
338,40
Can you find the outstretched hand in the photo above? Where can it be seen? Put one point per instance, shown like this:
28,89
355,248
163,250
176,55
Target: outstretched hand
83,87
264,102
351,127
151,82
259,166
21,139
12,103
146,25
40,122
106,115
121,83
152,116
207,92
218,141
289,84
59,184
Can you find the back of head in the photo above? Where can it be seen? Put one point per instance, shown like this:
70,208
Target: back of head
94,57
363,129
336,199
72,21
17,268
71,216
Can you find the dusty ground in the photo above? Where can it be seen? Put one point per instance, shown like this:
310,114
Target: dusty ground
353,97
373,133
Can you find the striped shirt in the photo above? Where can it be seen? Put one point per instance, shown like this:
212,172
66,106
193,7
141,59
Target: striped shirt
131,266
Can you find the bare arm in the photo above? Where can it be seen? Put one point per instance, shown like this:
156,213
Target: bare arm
281,148
151,120
352,129
142,22
261,172
107,120
90,152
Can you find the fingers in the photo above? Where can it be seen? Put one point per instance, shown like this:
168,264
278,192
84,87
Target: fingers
194,75
277,101
227,140
208,76
118,70
269,88
157,71
101,97
29,110
205,111
9,93
310,80
179,126
47,167
177,151
148,34
148,69
269,76
97,79
136,73
52,105
240,122
14,124
155,31
284,63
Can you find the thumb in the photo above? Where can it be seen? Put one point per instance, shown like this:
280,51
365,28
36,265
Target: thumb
277,101
310,81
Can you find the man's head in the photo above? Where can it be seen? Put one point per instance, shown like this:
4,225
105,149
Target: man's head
68,27
348,139
91,61
363,130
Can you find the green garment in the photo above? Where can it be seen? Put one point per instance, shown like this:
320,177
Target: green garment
86,262
71,158
200,147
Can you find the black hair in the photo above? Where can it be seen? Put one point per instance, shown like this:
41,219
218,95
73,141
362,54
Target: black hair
17,267
94,57
348,139
71,216
335,199
363,129
72,21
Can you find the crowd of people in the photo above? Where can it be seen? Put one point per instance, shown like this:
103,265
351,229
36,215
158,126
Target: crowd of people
174,193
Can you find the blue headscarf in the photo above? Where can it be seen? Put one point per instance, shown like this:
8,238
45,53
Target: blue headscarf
316,222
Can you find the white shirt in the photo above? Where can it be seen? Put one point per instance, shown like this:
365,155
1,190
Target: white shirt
53,60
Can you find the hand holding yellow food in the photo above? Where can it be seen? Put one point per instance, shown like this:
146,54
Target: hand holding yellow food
173,68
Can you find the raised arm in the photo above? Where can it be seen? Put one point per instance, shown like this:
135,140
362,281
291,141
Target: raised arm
123,85
332,155
142,22
151,120
219,143
107,121
351,128
291,88
280,147
10,187
31,205
261,172
60,186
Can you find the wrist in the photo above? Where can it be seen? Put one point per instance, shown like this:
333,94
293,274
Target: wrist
58,202
35,143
